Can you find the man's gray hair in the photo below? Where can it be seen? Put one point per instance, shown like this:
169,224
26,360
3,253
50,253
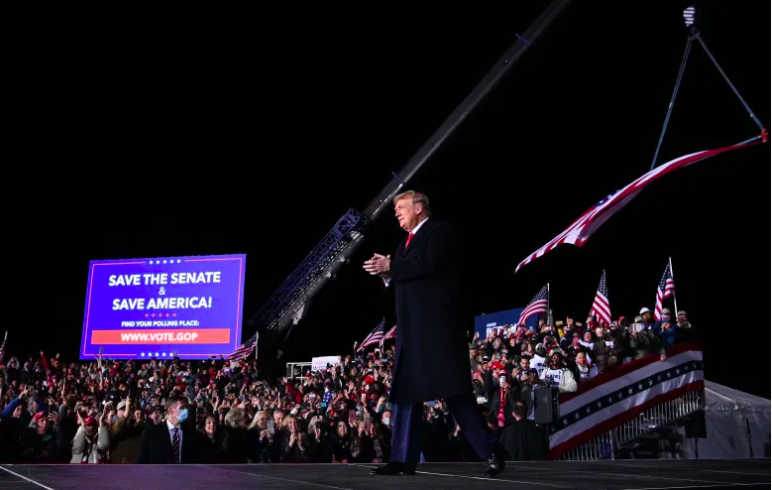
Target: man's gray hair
416,197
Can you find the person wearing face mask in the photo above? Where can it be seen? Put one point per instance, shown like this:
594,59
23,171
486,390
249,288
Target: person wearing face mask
386,418
665,329
172,441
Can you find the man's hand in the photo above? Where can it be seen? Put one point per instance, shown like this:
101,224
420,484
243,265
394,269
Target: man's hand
378,265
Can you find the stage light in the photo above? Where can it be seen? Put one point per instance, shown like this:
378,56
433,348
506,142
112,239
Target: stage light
690,13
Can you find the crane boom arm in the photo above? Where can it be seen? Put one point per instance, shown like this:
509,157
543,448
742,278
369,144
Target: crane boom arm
288,303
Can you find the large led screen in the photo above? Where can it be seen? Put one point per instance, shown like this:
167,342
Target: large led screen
143,308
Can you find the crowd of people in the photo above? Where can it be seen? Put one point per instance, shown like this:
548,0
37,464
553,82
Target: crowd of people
220,411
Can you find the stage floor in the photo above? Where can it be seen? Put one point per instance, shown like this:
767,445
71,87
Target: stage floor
623,474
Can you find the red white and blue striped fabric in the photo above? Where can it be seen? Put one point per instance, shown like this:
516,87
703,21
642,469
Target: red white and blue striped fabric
665,290
2,348
601,308
375,337
391,334
538,305
618,396
581,229
244,350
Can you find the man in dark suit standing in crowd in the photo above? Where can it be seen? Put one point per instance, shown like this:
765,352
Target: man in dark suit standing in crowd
172,441
432,349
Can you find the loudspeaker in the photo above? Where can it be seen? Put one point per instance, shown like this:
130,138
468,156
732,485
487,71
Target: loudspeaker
545,404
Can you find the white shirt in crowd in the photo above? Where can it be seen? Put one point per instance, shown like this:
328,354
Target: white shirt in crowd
551,376
414,231
587,372
587,345
171,435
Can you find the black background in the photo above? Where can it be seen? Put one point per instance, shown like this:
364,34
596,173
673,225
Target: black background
228,136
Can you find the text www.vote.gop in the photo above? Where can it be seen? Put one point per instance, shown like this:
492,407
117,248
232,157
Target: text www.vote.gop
159,336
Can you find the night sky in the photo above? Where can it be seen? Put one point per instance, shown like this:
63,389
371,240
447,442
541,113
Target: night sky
239,140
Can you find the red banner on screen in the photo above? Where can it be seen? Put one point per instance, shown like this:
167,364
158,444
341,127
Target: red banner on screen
178,336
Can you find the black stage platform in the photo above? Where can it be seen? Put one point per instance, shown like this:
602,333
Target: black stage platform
623,474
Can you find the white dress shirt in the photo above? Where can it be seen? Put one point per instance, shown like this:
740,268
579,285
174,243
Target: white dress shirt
413,231
171,436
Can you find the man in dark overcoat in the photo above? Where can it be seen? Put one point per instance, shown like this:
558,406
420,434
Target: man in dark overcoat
432,349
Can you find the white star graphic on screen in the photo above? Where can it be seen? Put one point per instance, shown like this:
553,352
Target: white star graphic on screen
142,354
156,354
164,261
163,354
149,261
178,261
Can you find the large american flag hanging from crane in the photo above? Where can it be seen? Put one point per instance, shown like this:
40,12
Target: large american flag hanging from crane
581,229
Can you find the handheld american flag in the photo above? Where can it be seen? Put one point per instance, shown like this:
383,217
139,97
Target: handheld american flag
244,349
2,348
601,308
665,289
538,304
374,337
391,334
580,230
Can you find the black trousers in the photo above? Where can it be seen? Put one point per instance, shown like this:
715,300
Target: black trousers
406,428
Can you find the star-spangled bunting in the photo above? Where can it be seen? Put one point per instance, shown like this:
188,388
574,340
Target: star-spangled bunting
601,308
665,290
622,393
538,304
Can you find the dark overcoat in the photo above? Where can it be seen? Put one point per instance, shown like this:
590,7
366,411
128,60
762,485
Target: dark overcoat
432,349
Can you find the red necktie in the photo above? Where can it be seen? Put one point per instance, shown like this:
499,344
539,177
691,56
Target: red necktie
409,237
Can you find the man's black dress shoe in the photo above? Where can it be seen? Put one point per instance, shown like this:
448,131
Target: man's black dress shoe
496,461
394,468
